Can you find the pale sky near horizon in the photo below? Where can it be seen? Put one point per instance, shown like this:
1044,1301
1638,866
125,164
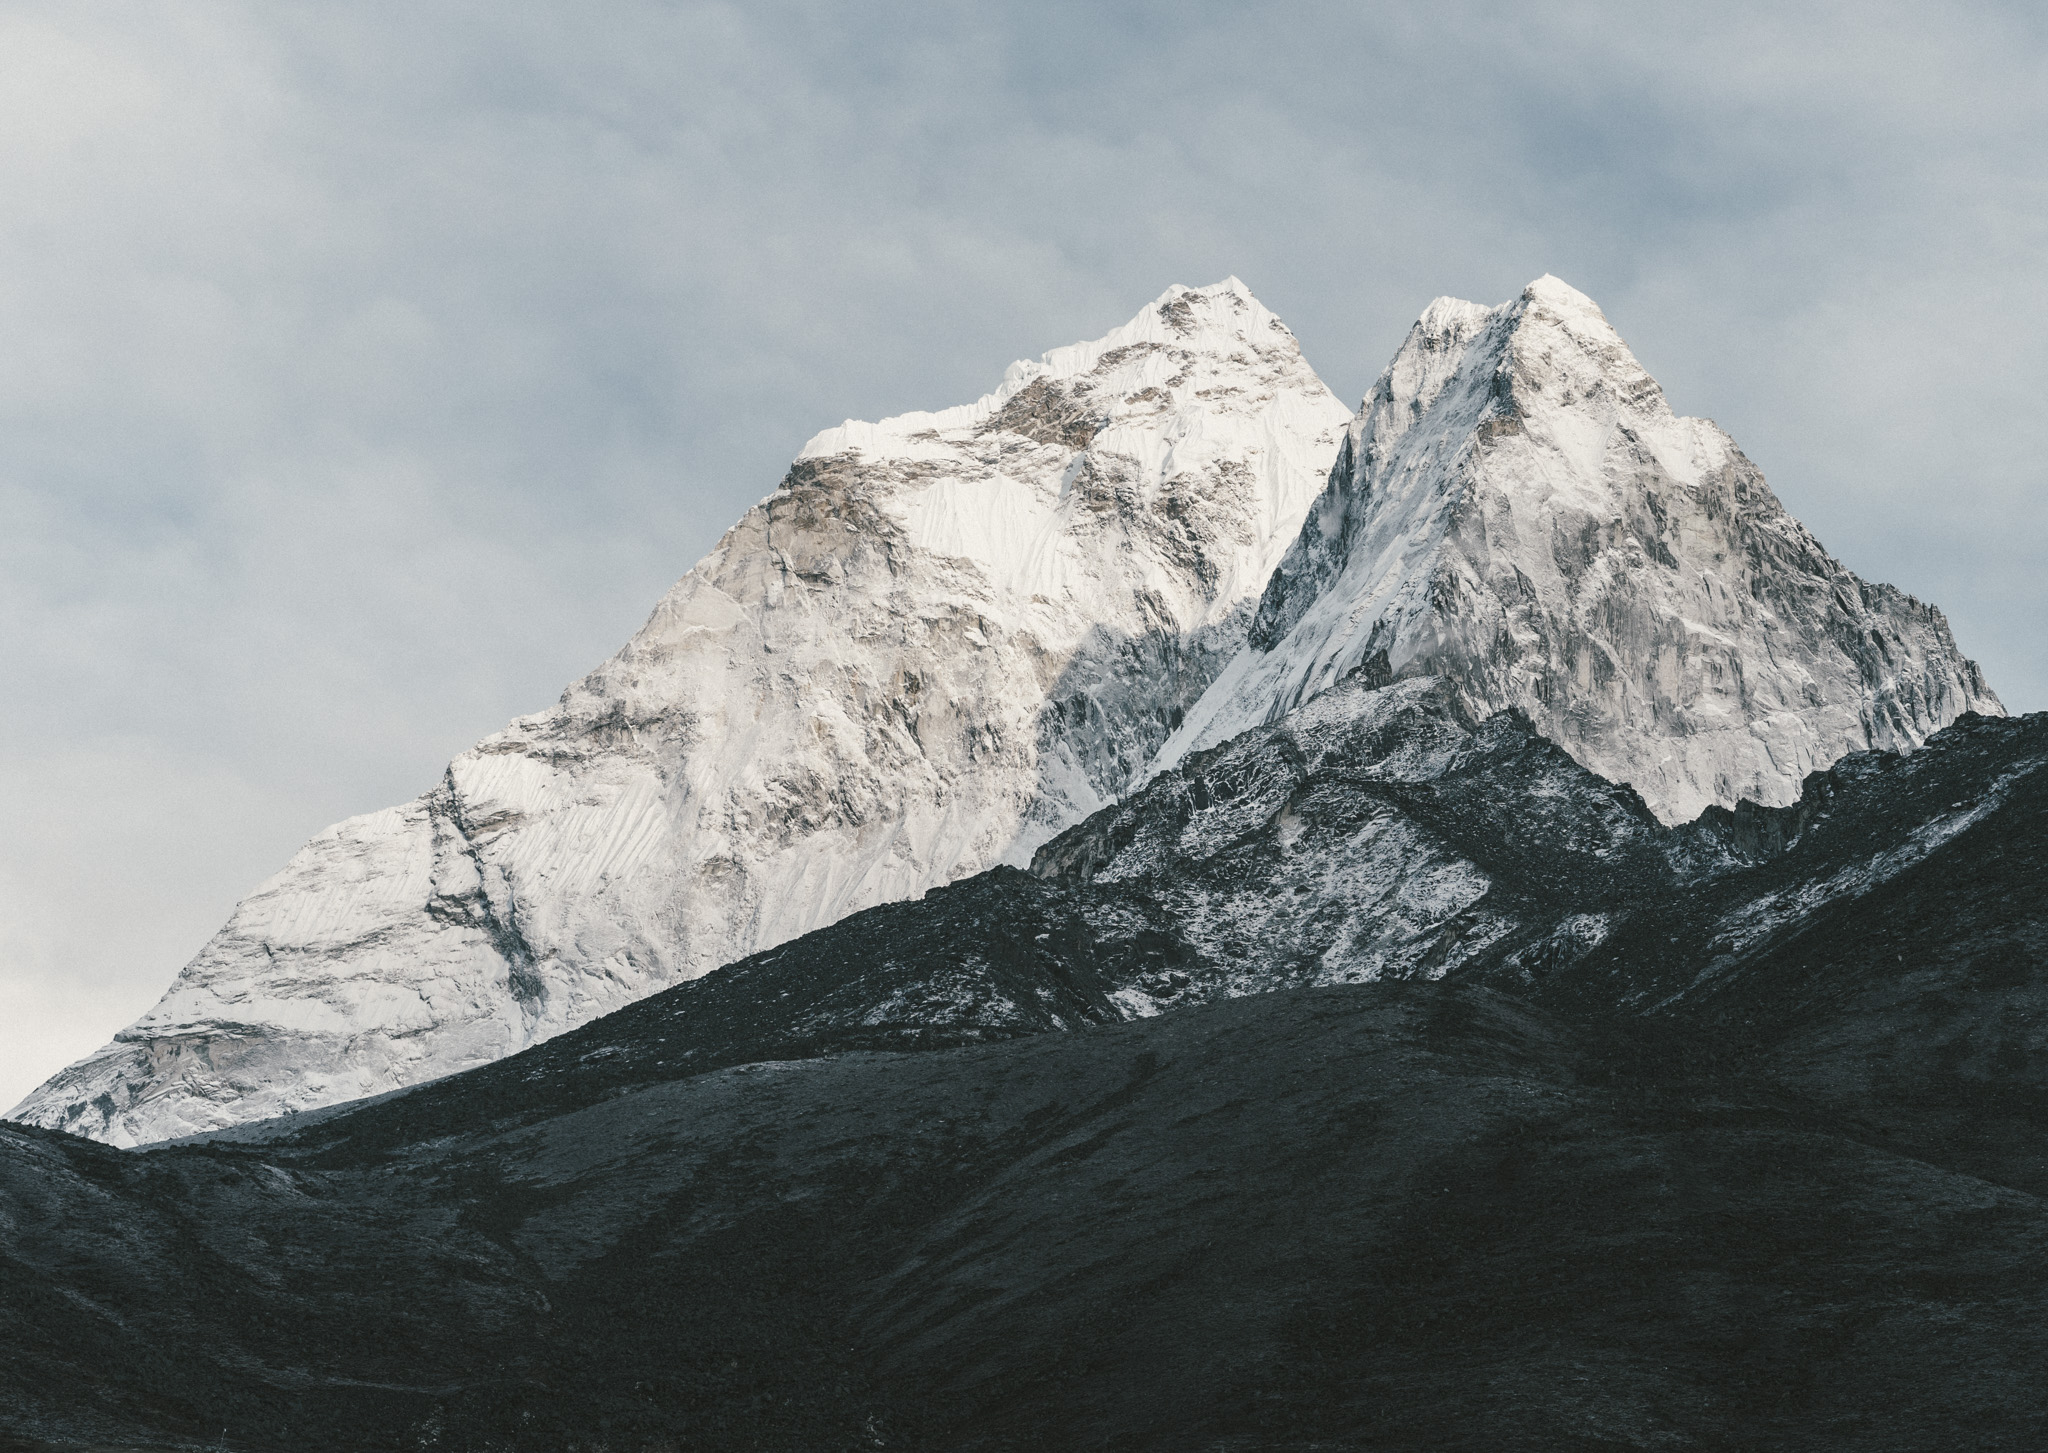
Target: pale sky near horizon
372,368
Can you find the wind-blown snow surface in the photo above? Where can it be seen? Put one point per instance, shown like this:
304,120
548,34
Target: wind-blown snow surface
942,639
1517,508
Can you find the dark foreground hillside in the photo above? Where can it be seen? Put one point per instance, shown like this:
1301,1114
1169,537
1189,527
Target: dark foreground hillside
1756,1161
1399,1216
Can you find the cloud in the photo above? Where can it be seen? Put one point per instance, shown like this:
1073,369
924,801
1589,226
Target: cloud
371,369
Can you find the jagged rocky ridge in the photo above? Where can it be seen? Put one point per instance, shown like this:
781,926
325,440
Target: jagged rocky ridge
1724,1135
1516,507
943,638
949,636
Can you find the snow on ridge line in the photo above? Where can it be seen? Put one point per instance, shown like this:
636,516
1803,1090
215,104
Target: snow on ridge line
898,435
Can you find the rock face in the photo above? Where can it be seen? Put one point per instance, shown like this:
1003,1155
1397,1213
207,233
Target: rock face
1369,835
942,639
1517,508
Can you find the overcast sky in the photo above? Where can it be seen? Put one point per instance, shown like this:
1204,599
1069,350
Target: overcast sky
368,370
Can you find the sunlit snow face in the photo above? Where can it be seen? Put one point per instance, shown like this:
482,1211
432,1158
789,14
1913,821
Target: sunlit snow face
945,637
1517,506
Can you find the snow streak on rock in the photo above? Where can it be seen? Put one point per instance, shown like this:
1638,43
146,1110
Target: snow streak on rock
1517,508
941,640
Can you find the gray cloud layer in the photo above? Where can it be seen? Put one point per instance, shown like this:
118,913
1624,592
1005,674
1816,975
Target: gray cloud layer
371,369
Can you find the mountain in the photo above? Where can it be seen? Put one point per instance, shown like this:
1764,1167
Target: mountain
1713,1136
1517,508
1338,1030
948,637
943,638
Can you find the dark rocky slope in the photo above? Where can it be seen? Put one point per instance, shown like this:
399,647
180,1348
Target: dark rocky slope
1723,1136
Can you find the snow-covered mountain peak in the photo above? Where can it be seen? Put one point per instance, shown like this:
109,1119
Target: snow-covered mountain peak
1186,341
946,636
1182,426
1552,303
1517,508
1554,292
941,639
